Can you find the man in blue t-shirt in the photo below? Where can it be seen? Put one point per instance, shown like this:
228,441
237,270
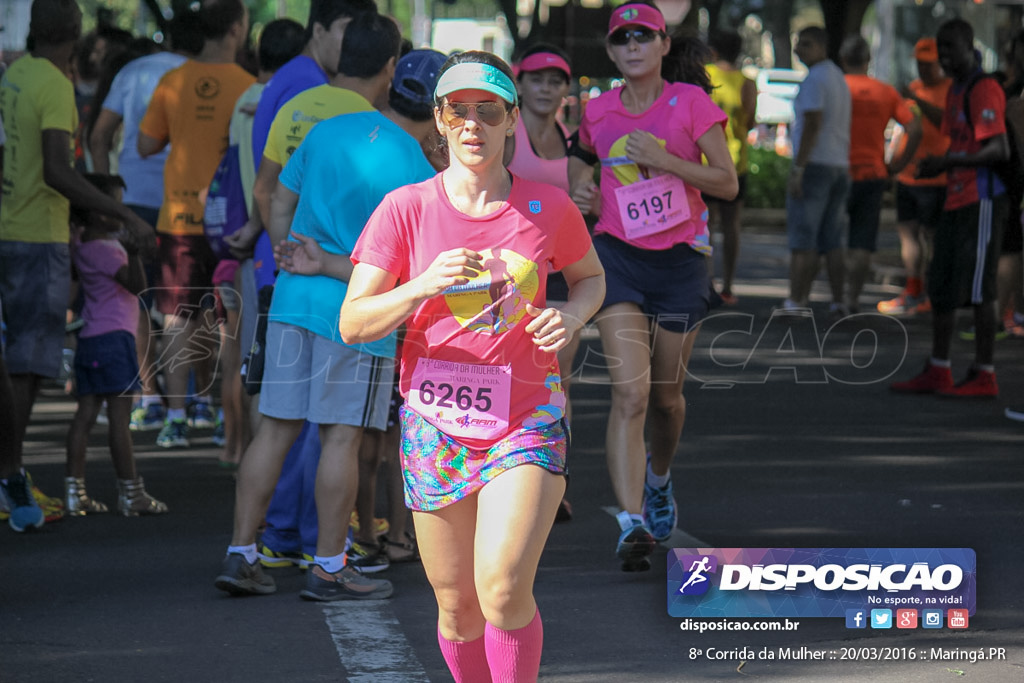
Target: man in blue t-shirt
327,192
291,519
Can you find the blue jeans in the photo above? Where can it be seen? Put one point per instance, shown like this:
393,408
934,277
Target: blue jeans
815,221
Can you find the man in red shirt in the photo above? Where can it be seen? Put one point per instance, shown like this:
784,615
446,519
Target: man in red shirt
874,104
969,232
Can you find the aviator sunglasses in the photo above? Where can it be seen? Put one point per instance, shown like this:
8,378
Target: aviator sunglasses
640,35
454,113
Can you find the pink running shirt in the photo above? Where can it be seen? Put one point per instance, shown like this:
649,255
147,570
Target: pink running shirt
526,164
678,118
109,307
481,323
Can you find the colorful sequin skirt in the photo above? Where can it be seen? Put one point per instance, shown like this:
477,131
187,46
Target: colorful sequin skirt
439,470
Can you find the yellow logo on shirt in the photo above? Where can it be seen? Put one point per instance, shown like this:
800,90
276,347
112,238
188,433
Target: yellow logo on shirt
495,301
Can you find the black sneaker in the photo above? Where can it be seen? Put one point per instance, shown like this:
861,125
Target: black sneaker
348,584
238,577
366,558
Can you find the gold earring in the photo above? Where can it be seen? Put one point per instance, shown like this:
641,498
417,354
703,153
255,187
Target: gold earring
509,133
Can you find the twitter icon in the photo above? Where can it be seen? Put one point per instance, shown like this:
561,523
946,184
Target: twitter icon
881,618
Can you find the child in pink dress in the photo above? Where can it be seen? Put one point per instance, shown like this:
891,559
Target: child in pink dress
106,258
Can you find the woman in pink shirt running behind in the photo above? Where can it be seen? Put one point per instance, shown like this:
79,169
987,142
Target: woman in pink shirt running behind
484,438
652,238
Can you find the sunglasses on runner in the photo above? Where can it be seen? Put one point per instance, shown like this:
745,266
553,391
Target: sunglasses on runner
640,35
454,113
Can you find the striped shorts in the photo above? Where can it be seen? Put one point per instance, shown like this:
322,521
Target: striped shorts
966,254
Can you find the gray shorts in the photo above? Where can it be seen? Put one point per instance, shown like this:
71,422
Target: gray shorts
309,377
35,281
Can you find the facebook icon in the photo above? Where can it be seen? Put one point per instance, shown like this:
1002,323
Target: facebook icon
856,618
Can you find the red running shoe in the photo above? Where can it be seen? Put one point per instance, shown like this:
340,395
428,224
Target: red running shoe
931,381
977,384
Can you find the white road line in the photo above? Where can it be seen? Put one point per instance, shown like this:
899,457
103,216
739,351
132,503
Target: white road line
371,645
678,539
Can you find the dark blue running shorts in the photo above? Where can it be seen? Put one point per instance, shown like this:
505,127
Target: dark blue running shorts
670,285
106,364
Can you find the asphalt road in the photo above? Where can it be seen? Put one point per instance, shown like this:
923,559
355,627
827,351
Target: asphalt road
792,440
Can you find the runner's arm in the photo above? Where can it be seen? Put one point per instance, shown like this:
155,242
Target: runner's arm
305,256
148,146
993,150
58,174
584,193
931,112
132,276
101,140
914,133
554,328
748,99
282,213
808,139
263,188
374,307
717,178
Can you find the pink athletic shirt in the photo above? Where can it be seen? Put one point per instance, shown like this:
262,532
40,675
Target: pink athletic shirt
526,164
678,118
109,307
481,323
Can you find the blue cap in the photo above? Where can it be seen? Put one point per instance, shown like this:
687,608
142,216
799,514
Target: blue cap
416,75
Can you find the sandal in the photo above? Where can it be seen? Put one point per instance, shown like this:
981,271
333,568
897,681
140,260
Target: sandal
401,551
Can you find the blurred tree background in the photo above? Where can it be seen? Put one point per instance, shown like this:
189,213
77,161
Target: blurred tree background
528,20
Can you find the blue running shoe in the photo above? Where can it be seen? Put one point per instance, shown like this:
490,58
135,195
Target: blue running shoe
635,544
173,435
201,416
16,496
660,510
147,418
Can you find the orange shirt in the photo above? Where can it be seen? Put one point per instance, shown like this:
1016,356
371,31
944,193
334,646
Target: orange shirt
874,103
933,142
191,108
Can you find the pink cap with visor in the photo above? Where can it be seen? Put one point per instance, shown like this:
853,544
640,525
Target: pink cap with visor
636,15
539,61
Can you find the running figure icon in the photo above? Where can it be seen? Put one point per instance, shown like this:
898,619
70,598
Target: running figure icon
696,570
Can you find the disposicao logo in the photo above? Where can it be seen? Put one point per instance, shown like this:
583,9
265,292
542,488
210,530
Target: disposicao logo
696,581
818,582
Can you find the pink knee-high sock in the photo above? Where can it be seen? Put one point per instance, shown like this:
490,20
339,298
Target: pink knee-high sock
466,660
514,656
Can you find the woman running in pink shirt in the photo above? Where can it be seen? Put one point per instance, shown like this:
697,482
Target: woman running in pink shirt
652,238
484,438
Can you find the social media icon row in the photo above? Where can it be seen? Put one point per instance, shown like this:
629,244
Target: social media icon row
905,618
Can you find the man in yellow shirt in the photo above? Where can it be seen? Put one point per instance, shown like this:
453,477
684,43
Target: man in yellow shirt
191,109
37,105
736,95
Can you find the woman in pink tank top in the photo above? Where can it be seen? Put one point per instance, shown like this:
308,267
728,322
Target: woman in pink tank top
540,145
539,152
